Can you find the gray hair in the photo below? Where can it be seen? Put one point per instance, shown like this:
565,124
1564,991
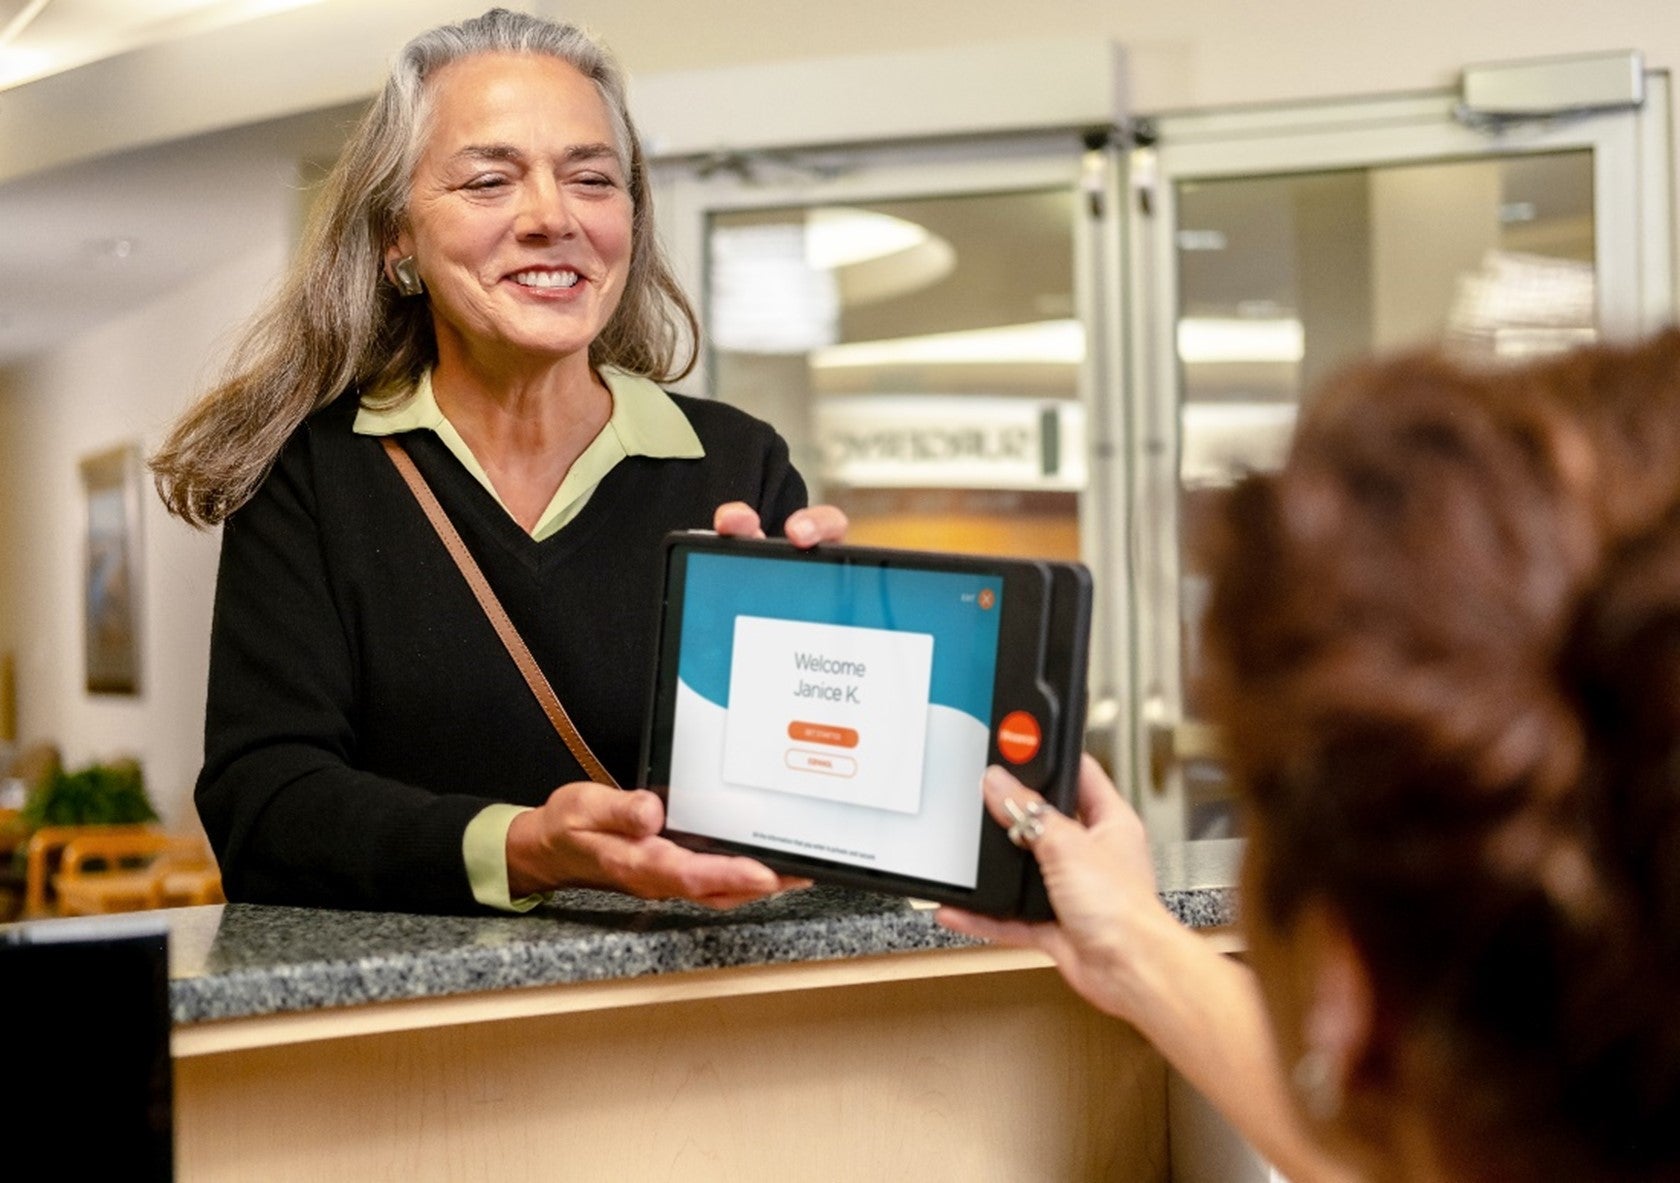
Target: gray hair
337,325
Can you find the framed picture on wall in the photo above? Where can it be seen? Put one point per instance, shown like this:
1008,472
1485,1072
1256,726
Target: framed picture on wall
111,594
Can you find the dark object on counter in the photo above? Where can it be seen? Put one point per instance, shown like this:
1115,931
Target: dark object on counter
93,1094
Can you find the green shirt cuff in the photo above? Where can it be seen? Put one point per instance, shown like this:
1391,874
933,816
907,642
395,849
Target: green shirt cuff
484,847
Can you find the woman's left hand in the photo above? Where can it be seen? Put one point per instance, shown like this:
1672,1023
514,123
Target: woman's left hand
590,835
805,527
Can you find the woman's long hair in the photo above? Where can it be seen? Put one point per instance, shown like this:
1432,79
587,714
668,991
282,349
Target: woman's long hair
337,325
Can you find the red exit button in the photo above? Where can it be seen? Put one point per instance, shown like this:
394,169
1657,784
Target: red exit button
1019,737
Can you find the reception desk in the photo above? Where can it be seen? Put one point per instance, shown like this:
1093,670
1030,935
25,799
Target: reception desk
826,1034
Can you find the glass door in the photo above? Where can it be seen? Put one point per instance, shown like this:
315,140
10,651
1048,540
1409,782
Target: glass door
923,356
1282,244
924,325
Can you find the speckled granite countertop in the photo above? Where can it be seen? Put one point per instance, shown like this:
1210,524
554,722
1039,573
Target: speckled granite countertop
242,960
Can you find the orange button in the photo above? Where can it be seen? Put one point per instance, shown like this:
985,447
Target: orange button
1018,737
838,737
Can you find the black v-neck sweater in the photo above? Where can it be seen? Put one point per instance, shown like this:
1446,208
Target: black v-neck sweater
362,709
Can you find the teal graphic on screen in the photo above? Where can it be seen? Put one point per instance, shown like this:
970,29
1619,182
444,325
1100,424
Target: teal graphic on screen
835,711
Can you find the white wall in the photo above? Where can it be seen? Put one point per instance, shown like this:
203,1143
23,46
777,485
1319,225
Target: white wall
127,379
120,383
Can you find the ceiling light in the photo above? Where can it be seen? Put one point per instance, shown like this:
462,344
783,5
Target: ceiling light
838,236
20,64
1049,342
763,294
66,39
1235,339
20,21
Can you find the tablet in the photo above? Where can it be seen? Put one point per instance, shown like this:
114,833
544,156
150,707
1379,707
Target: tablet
831,711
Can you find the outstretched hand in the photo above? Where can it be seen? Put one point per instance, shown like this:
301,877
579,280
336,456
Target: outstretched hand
1101,882
590,835
1120,948
805,527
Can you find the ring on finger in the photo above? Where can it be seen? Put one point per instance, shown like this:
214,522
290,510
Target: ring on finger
1026,824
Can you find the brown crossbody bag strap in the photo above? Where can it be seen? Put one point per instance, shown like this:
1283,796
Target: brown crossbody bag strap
546,698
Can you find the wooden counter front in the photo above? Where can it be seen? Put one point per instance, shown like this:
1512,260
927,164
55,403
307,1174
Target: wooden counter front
963,1064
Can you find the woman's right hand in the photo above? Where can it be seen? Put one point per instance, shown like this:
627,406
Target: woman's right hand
591,835
1101,881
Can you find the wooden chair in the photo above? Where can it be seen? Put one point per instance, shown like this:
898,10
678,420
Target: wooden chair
171,871
187,878
46,847
13,834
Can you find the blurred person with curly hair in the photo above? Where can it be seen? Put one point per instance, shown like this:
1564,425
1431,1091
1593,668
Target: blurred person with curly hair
1444,652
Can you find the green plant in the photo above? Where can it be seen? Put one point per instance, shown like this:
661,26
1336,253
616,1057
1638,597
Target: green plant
100,794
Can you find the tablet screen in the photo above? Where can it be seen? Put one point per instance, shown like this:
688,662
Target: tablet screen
835,711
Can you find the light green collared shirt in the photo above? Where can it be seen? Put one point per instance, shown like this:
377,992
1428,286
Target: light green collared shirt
644,422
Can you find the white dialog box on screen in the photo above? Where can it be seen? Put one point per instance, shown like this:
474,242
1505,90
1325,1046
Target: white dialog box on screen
830,711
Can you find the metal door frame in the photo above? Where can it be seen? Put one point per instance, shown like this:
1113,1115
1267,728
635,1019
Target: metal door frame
1633,227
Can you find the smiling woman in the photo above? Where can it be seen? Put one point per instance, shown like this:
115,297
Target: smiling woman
518,226
479,309
519,219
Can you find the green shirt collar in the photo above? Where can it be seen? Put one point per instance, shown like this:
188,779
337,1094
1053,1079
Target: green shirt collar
645,422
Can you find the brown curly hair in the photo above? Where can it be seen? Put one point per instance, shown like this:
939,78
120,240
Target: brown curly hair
1444,648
